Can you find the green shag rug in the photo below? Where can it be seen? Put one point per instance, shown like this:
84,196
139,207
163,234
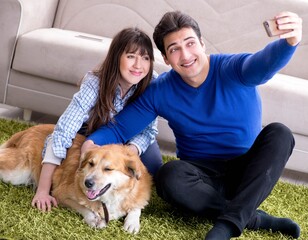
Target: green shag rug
18,220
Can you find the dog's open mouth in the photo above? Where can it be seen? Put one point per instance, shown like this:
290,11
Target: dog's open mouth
93,194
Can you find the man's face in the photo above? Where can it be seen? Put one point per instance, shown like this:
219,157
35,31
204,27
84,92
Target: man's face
186,55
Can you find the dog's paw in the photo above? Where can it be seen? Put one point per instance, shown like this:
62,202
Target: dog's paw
101,224
132,225
94,220
132,221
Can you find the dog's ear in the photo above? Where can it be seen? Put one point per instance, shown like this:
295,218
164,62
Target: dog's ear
132,163
85,154
133,169
83,159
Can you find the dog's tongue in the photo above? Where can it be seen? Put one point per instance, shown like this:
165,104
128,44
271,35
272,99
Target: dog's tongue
91,194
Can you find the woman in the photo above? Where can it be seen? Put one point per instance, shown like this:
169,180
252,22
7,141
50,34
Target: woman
122,77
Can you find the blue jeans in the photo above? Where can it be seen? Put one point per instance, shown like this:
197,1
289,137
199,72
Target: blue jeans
152,158
230,189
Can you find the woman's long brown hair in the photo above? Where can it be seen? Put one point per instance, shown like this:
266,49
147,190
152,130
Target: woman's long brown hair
127,40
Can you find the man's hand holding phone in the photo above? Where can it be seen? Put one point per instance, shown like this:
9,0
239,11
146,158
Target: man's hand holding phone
286,25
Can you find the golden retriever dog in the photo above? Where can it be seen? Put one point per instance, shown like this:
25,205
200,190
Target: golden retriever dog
106,183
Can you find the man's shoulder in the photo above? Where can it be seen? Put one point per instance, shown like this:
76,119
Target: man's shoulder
162,78
160,84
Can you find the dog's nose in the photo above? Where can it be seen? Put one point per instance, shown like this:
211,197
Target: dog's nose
89,183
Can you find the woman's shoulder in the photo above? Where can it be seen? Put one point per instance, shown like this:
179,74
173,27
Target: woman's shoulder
90,79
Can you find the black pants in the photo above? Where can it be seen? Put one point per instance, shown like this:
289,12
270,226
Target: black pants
230,189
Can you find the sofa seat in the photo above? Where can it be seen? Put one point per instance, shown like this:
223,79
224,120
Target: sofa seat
58,54
284,100
286,92
48,55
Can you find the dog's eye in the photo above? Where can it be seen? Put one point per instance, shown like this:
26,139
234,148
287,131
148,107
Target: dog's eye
91,164
108,169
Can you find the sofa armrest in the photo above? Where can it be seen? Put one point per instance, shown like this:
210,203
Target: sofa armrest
37,14
20,16
10,14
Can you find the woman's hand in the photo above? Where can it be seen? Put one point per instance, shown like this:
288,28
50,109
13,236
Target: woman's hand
43,201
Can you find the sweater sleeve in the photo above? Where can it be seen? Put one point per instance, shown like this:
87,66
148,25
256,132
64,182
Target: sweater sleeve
144,139
258,68
130,121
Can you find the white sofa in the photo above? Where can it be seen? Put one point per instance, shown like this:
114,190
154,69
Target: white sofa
47,46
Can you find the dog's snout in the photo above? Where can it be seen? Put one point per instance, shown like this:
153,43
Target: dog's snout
89,183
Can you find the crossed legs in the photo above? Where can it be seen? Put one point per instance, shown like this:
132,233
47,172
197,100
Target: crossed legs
230,191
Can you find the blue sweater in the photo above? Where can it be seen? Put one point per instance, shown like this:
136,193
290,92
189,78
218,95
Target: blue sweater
218,120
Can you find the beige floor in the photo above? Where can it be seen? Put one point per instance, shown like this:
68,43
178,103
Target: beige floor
16,113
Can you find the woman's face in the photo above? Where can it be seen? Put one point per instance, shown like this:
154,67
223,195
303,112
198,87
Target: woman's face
133,68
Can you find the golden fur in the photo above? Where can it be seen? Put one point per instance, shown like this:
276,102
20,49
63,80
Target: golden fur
110,174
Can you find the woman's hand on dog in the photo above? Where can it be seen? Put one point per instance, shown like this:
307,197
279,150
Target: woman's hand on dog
43,201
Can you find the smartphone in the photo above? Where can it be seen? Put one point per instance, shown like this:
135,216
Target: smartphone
271,27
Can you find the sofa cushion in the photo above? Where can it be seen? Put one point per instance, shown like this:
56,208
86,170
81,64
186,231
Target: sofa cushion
58,54
109,16
285,99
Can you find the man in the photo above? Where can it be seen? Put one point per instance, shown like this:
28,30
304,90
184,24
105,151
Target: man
228,164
